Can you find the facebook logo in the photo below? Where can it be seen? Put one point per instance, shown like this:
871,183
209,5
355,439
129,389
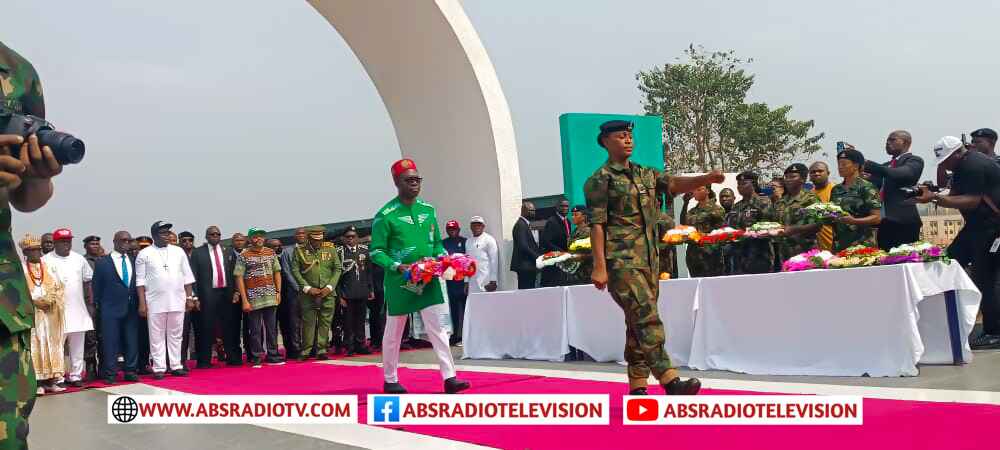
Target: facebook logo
386,409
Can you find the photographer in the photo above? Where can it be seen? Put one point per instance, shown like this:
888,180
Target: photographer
900,221
25,182
975,192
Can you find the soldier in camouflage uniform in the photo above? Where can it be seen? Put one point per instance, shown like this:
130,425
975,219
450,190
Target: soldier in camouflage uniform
316,268
582,221
706,216
789,210
666,251
623,198
26,184
859,198
752,255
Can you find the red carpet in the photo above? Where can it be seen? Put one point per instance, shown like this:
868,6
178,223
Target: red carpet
888,423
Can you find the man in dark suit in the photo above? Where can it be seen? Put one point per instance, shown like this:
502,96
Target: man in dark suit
118,307
212,265
900,220
555,238
522,260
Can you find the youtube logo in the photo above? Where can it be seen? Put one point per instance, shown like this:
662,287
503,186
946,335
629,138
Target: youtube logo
642,409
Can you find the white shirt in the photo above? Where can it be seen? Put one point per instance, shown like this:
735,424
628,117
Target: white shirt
116,259
216,276
534,233
163,271
73,270
484,249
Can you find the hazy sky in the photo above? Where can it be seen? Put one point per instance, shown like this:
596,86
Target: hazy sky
255,112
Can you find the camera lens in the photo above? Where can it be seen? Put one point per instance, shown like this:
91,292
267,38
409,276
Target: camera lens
65,147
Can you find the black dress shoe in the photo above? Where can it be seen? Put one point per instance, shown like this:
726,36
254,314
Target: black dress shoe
157,375
145,371
453,385
77,384
303,358
363,351
322,357
204,366
393,388
638,391
678,387
130,376
349,353
985,341
110,381
179,373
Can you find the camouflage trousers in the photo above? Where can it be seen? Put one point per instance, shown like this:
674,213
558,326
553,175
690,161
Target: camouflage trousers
636,292
17,388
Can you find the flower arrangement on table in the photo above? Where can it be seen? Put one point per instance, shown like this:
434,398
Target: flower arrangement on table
857,256
564,261
813,259
721,236
915,252
823,213
580,246
764,230
682,234
454,267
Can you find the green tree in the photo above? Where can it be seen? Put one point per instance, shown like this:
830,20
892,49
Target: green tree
708,124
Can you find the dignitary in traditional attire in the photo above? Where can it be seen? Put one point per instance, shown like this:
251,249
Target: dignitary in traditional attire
290,311
258,277
316,268
212,265
555,238
118,309
75,274
622,197
484,249
163,279
405,231
47,341
355,291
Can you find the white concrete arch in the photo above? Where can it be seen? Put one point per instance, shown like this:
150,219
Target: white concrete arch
445,101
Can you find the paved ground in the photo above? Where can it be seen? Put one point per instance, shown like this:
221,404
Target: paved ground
78,421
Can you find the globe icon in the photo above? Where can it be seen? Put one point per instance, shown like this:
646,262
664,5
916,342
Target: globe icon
124,409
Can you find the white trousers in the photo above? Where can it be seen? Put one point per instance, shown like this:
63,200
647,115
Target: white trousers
74,347
166,331
393,337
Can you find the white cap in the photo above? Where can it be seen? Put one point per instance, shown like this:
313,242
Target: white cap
478,219
945,147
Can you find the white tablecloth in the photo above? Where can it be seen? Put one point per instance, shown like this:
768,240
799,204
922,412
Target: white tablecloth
879,320
528,324
597,325
845,322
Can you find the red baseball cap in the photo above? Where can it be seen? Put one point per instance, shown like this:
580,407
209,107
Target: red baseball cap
452,224
62,234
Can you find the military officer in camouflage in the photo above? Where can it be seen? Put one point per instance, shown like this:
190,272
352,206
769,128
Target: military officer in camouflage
789,210
859,197
316,268
705,216
26,184
623,198
752,255
666,251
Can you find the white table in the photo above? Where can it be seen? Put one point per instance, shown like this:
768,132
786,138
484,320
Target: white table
879,320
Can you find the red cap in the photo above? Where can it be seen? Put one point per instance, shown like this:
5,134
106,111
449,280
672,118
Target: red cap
452,224
402,166
62,234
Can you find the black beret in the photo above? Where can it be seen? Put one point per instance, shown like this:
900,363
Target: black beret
985,133
185,234
852,155
747,175
90,239
799,168
579,208
612,126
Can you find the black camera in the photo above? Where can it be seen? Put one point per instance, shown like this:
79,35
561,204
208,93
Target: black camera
914,191
65,147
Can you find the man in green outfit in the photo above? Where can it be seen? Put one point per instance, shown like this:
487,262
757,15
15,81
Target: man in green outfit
798,236
622,197
404,232
25,183
316,269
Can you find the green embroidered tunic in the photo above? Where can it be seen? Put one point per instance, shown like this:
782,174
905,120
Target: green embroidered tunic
404,234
